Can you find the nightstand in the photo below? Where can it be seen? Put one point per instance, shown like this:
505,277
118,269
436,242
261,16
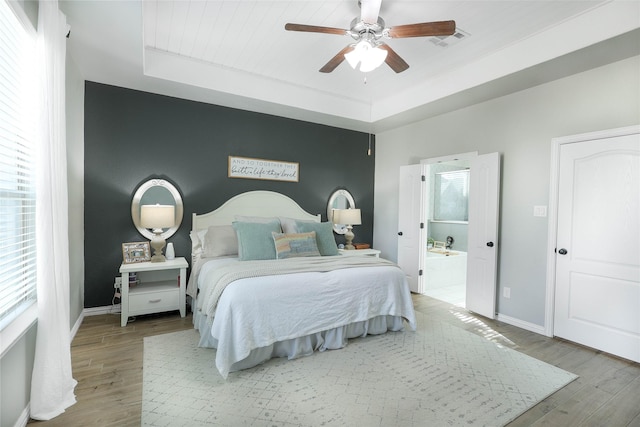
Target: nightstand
161,286
360,252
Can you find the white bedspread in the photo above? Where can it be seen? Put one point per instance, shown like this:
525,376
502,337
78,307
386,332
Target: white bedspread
257,312
220,277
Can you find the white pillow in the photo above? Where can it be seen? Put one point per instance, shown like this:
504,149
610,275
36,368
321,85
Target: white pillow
196,241
289,225
219,240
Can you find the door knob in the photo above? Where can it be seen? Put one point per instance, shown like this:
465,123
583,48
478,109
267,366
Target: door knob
399,233
490,244
562,251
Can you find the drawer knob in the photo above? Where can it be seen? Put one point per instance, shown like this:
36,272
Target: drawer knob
155,300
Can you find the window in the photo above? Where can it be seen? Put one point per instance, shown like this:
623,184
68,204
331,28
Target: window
452,196
18,109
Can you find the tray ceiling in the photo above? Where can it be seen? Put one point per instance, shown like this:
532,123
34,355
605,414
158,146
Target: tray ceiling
237,53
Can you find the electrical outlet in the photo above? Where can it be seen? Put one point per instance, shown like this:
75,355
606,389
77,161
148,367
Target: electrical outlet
506,292
540,211
117,283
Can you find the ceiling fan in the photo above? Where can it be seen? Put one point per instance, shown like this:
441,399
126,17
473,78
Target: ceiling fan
368,30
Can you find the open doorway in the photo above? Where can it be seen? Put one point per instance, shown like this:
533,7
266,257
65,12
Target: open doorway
415,224
447,223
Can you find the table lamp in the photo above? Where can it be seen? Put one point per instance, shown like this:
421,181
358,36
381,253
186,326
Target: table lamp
157,217
349,217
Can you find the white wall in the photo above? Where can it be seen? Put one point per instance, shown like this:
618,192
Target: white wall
520,126
75,182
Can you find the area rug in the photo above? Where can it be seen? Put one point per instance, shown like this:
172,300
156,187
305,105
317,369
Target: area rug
439,375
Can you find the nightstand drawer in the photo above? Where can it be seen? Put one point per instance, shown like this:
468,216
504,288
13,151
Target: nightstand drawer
154,302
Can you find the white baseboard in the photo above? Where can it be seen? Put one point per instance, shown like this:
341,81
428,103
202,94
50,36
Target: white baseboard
24,417
94,311
521,324
107,309
76,326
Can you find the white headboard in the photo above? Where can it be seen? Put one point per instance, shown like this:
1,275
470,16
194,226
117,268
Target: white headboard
252,203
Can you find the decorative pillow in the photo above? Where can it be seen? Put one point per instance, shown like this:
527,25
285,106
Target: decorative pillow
289,225
324,236
255,240
295,245
220,240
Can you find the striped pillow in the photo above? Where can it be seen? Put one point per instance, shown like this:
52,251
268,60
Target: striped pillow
295,245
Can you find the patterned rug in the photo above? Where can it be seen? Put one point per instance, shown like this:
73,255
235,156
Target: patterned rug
440,375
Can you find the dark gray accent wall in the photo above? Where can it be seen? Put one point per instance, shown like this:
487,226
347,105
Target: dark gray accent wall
132,136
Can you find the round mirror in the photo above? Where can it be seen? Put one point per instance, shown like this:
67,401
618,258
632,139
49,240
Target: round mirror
340,199
152,192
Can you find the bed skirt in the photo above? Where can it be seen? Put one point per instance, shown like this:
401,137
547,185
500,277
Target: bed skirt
331,339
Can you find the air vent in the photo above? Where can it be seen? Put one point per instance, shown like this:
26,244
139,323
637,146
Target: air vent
446,41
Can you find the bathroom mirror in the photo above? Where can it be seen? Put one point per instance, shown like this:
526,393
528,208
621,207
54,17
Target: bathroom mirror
339,199
156,191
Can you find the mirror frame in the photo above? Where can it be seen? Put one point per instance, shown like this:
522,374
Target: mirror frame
339,228
135,207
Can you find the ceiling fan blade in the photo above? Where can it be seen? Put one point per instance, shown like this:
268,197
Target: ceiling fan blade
314,29
439,28
336,60
393,60
369,11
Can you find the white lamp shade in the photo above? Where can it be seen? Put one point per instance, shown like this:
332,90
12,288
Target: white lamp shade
368,56
335,216
349,217
157,216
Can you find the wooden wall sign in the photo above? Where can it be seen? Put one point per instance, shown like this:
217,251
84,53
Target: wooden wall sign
248,168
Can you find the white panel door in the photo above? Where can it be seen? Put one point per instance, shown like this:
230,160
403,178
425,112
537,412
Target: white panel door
482,256
409,212
597,296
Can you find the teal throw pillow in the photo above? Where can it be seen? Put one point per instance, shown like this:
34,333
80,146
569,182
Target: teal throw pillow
255,240
324,236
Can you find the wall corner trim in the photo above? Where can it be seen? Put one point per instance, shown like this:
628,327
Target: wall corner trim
24,417
76,326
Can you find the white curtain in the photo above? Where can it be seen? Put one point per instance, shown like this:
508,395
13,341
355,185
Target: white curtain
52,384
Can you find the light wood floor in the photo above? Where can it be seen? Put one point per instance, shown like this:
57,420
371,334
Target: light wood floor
107,363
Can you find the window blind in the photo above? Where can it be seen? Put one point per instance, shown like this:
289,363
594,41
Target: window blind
17,167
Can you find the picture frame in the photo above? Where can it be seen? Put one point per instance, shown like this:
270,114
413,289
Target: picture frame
133,252
272,170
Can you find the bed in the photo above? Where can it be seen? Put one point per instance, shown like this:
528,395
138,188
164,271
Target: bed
268,281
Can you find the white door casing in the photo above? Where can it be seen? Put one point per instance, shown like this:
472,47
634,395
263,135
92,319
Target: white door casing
597,237
409,214
484,198
482,255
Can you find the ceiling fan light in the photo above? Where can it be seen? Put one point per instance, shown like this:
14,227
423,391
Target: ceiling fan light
373,59
353,58
368,56
358,53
